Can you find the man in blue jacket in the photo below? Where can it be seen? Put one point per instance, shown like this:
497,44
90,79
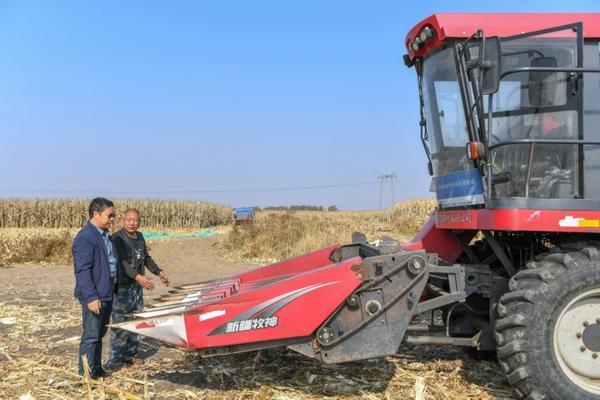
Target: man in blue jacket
95,281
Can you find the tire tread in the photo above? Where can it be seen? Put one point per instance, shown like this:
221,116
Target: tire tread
516,307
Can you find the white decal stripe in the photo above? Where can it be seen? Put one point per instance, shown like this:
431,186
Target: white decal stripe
462,200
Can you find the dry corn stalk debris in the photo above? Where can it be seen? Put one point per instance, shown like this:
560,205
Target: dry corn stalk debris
39,340
38,353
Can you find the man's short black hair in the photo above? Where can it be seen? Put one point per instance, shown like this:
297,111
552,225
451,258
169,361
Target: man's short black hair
99,204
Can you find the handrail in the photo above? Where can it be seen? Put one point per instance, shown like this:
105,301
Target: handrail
549,69
532,143
544,141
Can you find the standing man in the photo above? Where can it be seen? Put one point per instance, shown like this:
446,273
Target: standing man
95,281
133,259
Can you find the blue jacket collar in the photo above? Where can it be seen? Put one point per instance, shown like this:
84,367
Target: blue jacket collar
98,237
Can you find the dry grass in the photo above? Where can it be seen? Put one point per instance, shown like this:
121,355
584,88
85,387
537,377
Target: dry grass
39,245
277,235
21,213
48,245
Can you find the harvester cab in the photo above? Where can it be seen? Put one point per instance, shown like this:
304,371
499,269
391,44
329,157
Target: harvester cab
509,262
504,118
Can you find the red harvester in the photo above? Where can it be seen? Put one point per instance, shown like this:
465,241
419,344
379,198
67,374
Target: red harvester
510,260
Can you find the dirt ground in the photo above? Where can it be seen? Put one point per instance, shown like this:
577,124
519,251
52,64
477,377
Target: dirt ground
40,324
184,260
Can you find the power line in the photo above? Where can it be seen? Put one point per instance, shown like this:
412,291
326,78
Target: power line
276,189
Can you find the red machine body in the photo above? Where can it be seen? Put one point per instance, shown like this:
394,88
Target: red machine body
285,300
436,237
509,119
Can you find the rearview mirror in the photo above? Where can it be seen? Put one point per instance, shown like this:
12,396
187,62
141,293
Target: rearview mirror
490,69
542,84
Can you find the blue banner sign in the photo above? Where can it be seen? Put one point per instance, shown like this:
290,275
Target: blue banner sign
460,188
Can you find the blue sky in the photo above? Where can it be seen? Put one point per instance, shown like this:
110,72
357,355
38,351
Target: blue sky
224,97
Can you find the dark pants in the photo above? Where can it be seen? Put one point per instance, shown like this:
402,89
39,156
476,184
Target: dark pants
124,344
94,328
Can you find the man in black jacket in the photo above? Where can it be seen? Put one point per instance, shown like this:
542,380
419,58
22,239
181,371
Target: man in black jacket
133,260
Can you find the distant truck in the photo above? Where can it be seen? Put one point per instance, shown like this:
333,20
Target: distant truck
244,215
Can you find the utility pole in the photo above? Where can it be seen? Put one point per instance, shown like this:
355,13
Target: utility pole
381,179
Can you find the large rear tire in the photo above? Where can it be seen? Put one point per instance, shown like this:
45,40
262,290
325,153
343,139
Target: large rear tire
548,329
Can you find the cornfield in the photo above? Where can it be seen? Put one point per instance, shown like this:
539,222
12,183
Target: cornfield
64,213
42,231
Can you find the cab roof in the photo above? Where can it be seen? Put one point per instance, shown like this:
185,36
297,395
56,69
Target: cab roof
463,25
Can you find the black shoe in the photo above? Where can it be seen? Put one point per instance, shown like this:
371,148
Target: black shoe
100,373
111,368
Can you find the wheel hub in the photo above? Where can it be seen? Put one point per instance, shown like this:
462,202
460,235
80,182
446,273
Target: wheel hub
591,337
577,340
